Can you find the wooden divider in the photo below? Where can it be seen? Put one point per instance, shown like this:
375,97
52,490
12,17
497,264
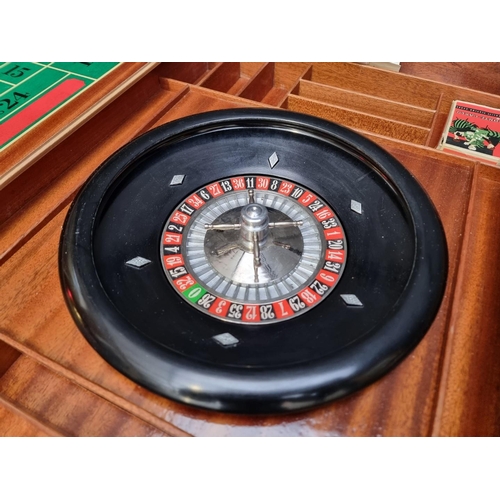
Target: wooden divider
355,101
230,77
37,392
8,356
258,87
186,72
357,120
15,424
469,399
387,85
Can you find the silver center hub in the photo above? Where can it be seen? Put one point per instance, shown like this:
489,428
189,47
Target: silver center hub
254,252
254,226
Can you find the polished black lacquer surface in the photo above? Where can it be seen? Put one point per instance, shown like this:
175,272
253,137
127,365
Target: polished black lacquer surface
396,264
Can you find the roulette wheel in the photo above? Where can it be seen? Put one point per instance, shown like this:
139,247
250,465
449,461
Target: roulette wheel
253,261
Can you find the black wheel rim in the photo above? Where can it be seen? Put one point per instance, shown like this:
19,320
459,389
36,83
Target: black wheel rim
168,362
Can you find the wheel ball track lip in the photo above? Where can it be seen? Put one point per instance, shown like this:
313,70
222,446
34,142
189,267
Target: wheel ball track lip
256,390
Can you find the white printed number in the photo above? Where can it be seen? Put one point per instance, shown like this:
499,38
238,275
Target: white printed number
266,312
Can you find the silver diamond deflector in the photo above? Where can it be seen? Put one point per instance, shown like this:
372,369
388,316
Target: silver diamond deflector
177,180
226,339
351,300
273,160
356,207
138,262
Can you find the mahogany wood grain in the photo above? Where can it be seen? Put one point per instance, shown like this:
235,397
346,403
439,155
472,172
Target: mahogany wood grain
223,77
268,83
287,74
260,85
438,124
470,395
387,84
186,72
286,78
357,120
232,78
16,424
8,355
482,76
355,101
200,100
65,406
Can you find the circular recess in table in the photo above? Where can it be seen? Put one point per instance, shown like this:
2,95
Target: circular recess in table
253,261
